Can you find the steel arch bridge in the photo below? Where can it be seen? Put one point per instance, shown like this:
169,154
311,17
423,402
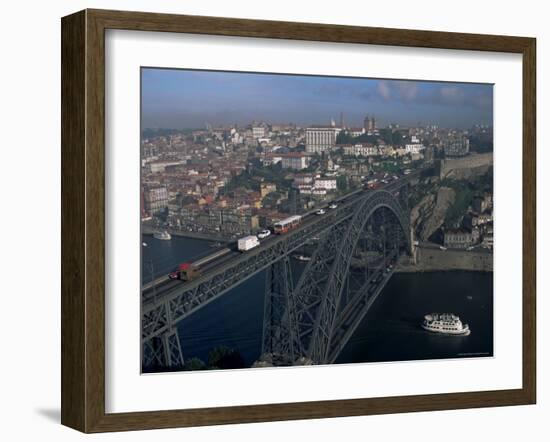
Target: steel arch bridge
307,321
311,322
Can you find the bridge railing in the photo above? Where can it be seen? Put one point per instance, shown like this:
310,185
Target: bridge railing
181,301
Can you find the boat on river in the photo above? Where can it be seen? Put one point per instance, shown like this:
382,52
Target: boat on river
445,323
162,235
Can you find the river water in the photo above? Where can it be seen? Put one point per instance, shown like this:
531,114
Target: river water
389,332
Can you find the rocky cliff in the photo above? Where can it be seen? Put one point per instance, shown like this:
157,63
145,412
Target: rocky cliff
429,214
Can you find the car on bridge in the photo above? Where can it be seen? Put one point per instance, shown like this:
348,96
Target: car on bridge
263,234
321,212
333,206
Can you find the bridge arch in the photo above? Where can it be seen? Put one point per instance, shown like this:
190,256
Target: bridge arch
343,245
384,199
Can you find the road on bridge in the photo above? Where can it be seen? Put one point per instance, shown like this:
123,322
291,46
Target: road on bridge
163,286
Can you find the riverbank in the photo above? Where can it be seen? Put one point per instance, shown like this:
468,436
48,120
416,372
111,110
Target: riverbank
435,260
149,230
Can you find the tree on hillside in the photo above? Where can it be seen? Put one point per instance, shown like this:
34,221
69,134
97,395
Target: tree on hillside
224,357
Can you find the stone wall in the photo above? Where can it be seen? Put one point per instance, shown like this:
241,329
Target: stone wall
432,259
466,167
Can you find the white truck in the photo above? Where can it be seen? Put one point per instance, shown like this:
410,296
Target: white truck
247,243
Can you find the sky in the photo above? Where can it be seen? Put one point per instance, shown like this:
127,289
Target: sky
180,98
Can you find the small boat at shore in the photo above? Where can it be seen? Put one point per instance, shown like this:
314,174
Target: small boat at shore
445,323
163,235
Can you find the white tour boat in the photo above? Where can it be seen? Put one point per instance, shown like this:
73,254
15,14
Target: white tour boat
445,323
164,235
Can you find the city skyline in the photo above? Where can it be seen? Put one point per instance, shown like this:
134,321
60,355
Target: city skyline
184,99
291,234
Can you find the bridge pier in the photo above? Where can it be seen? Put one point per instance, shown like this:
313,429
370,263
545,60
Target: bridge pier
173,354
413,248
278,336
163,351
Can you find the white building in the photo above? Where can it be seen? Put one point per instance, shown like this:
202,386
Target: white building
160,166
320,139
258,132
318,192
303,179
325,183
356,132
235,137
305,189
294,161
488,241
457,146
361,150
414,148
484,218
155,199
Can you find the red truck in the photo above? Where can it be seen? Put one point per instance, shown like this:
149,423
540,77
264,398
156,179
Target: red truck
191,270
185,272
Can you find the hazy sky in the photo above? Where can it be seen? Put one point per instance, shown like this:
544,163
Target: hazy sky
188,99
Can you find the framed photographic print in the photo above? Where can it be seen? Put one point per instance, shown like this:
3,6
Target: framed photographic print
268,220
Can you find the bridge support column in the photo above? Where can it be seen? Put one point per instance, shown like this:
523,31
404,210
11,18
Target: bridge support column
163,351
279,341
413,249
172,348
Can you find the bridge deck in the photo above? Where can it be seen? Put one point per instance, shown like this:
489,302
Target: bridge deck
176,300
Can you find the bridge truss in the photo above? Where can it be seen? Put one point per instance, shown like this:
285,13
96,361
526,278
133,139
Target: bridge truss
308,321
312,321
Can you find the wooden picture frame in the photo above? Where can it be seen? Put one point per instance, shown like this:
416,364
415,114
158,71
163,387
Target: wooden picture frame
83,219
